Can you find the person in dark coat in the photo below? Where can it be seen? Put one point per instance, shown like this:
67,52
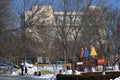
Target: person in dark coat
26,70
39,73
22,69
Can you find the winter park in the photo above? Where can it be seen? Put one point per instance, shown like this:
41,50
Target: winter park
59,40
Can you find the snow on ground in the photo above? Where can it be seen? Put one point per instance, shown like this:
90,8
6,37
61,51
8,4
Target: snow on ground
50,76
50,68
45,77
118,78
31,70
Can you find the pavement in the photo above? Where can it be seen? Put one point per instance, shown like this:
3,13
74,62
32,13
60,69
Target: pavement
17,78
27,77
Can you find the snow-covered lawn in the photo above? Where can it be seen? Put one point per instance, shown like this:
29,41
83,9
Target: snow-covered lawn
118,78
45,77
49,76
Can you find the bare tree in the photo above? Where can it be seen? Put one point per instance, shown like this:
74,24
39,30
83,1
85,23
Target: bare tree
22,27
112,22
35,33
41,30
5,24
4,13
67,24
79,21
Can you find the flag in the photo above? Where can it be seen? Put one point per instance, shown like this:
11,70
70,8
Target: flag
86,53
82,53
93,52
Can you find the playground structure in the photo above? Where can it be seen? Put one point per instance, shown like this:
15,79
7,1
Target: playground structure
89,62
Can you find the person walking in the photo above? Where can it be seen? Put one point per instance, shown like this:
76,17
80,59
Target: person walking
26,70
22,69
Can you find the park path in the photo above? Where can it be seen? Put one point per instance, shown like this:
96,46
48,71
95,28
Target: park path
18,78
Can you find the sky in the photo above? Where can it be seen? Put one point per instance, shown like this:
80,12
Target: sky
57,3
114,3
18,4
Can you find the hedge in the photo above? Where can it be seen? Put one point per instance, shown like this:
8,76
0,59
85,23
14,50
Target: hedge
89,76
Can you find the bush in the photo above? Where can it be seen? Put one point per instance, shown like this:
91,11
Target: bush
90,76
